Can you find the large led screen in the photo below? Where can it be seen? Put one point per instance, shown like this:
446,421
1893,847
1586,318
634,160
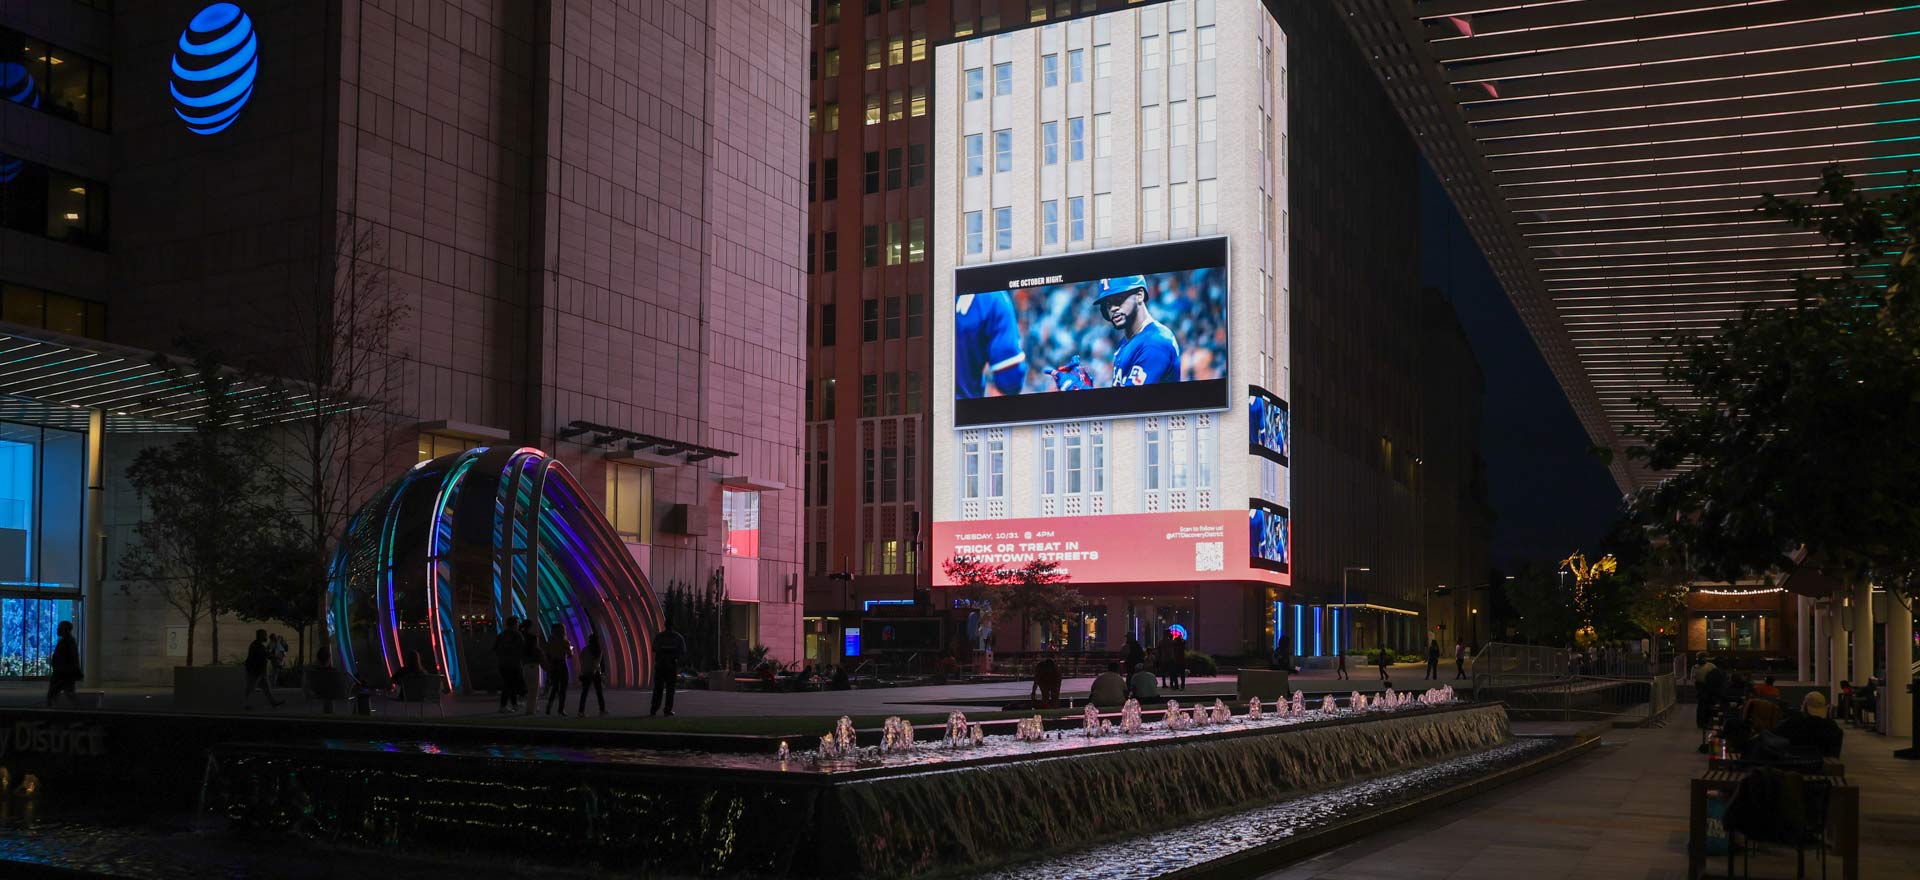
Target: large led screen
1267,537
1103,333
1266,424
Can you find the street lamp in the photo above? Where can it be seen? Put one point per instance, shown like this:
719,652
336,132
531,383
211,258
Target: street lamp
1346,609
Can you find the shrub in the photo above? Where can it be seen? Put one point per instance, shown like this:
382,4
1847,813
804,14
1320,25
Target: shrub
1201,664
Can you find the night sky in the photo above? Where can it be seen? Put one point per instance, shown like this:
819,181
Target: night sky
1550,497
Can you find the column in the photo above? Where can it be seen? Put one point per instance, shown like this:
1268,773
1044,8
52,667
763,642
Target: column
1117,623
1837,650
94,565
1862,633
1821,654
1894,700
1800,629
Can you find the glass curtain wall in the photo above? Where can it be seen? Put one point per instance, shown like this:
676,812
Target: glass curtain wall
42,497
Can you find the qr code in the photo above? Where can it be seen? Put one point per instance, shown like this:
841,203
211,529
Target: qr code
1209,556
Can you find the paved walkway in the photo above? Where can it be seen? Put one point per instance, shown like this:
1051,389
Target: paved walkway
1619,811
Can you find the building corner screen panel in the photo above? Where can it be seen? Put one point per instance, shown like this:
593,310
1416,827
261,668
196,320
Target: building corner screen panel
1102,333
214,66
1266,424
1269,536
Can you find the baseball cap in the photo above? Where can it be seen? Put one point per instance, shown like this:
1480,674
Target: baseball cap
1815,704
1120,286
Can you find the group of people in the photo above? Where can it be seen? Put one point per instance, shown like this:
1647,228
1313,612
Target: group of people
1460,654
1753,722
1169,661
523,657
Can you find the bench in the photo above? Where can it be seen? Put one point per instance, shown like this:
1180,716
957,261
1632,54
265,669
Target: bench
1843,817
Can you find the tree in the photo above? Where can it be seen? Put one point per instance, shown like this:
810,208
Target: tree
333,384
1036,592
1799,422
1542,601
207,498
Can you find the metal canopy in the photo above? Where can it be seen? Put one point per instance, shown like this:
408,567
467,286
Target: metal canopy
54,380
1608,155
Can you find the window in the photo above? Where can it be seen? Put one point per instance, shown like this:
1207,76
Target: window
1049,143
870,245
55,81
896,242
1076,65
1182,122
1102,135
1003,79
1182,208
917,240
913,406
1150,120
870,320
892,324
830,252
975,234
34,307
872,175
1102,61
1209,202
1002,229
870,392
826,398
1150,210
896,105
1073,469
1150,52
1179,466
1205,106
833,62
740,516
890,400
831,172
976,84
1003,150
429,446
828,314
893,167
983,473
916,164
54,204
919,45
897,50
832,115
1049,70
833,11
1050,222
1077,218
630,502
976,160
1102,215
873,54
963,27
1177,48
873,110
1076,138
1207,44
917,101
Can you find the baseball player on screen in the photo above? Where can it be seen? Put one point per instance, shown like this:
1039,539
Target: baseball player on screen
1149,355
986,341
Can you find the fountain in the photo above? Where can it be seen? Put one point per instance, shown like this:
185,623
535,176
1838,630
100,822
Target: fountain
1130,717
1253,709
1299,703
1090,720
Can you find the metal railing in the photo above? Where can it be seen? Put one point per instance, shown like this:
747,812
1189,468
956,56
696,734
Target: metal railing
1542,683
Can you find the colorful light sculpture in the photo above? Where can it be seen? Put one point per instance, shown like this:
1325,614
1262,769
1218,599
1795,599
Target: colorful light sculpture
440,557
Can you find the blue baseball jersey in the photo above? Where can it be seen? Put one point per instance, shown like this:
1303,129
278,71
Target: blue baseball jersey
1148,357
986,339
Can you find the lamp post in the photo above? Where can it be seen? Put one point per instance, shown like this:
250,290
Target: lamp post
1345,608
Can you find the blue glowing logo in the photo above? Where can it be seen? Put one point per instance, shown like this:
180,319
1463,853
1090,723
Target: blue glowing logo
16,85
214,67
1178,630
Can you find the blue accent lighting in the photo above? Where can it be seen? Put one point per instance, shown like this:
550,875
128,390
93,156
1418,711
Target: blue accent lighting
852,647
214,68
16,86
1317,629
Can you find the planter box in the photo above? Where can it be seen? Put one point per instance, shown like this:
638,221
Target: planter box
209,688
1267,684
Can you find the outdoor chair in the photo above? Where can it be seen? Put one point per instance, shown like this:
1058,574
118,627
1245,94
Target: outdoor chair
421,690
320,684
1771,805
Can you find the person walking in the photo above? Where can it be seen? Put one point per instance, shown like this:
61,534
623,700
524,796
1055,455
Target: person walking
531,661
558,653
593,666
1382,660
277,656
667,651
1178,644
258,668
1433,659
506,657
65,664
1340,671
1136,655
1459,660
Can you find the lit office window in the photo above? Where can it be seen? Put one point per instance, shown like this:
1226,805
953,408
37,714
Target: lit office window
873,109
630,502
832,114
897,50
432,446
33,307
975,232
873,54
897,105
1003,229
833,62
1050,221
917,101
896,245
1003,150
919,45
55,81
917,240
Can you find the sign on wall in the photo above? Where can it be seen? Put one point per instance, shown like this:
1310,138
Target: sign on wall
213,68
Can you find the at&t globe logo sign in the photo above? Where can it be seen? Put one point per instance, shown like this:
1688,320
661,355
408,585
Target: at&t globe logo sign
214,67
